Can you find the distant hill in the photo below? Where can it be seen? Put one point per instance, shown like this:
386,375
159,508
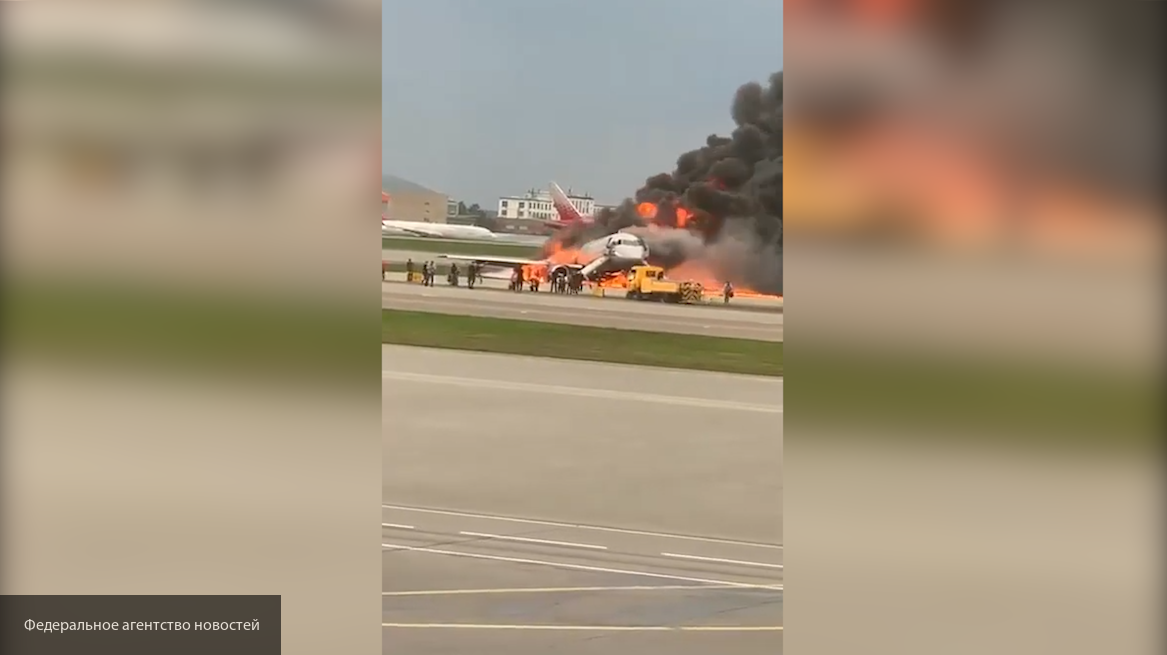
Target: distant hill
393,184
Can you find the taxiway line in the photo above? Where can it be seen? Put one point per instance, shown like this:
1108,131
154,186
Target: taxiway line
578,567
592,628
581,526
722,560
553,590
485,535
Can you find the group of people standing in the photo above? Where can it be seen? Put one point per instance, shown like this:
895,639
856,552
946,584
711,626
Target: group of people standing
429,272
567,282
564,282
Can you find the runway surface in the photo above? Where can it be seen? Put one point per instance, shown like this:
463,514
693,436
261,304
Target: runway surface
616,312
531,505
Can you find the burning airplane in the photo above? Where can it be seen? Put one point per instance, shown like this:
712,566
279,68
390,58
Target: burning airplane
719,213
595,260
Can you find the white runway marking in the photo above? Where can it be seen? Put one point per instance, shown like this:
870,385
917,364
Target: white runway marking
580,392
593,628
397,525
554,590
530,540
725,561
578,567
580,526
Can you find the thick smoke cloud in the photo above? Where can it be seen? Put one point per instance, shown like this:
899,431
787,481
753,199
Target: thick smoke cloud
733,187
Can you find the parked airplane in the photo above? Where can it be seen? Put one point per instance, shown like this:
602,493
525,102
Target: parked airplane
568,214
595,259
423,229
440,230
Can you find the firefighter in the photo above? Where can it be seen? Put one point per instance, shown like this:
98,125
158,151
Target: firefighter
471,274
727,292
409,270
453,275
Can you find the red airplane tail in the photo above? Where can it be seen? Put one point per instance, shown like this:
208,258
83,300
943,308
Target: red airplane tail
568,214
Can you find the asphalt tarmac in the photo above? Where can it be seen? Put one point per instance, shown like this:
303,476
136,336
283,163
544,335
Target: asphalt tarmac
492,299
534,505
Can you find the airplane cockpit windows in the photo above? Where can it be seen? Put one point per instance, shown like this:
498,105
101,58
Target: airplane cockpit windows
624,239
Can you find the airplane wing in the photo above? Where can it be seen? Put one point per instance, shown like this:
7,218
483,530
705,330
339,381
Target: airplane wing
501,261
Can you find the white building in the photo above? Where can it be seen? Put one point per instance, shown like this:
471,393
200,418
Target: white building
537,205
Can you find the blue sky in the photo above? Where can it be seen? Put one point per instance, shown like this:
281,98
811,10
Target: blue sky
482,98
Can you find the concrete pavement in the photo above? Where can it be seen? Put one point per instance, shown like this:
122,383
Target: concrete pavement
493,300
535,504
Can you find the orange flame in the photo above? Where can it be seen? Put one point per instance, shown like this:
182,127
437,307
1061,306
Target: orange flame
615,281
533,272
698,272
690,271
683,216
646,210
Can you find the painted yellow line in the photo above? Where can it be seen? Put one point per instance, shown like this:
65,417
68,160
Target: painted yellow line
551,590
594,628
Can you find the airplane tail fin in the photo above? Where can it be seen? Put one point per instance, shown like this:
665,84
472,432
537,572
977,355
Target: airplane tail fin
568,214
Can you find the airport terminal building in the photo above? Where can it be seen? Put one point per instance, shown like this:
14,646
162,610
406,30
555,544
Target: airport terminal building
537,204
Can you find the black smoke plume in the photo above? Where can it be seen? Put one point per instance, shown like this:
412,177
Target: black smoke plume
732,186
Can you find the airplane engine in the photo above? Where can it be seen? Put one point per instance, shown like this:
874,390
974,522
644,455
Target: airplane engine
558,271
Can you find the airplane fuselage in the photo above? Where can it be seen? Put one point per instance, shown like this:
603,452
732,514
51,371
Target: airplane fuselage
595,259
439,230
612,254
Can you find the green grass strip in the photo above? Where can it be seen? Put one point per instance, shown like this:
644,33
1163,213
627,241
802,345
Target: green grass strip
459,247
499,335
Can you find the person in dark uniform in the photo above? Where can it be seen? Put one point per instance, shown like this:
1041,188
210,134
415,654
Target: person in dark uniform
409,270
